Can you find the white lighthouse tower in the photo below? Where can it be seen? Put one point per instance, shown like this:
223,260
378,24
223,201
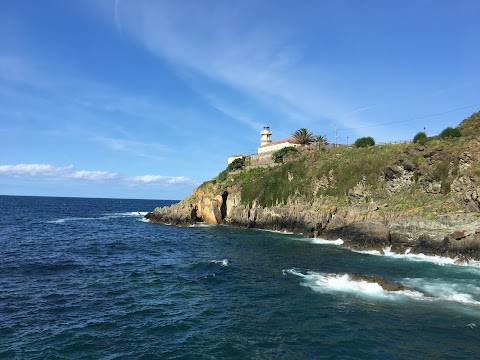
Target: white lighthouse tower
266,134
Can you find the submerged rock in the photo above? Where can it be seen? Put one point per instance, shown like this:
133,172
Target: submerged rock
385,284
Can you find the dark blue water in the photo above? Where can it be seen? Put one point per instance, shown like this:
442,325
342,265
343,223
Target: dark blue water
88,279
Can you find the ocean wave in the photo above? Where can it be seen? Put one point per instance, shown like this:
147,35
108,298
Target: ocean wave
324,282
223,262
435,259
284,232
201,224
421,289
135,214
449,292
320,241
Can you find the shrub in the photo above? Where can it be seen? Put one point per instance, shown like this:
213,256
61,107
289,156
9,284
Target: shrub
236,164
279,155
364,142
420,138
450,132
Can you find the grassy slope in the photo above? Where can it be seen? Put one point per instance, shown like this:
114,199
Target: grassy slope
330,175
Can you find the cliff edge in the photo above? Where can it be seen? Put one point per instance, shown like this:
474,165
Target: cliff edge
422,198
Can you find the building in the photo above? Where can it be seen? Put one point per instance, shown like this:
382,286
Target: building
267,145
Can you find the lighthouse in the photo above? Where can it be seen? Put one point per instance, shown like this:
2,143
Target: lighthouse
266,134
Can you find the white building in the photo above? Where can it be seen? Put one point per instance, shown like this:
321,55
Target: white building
267,145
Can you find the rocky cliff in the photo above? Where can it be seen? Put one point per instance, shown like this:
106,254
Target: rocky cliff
411,197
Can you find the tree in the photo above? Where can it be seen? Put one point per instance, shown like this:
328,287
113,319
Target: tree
303,136
420,138
364,142
450,132
236,164
279,155
321,141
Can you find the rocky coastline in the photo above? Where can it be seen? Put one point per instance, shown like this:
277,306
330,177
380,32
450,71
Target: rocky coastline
361,227
417,198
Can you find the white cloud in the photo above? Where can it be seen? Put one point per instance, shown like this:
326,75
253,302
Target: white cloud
93,175
160,180
51,172
42,170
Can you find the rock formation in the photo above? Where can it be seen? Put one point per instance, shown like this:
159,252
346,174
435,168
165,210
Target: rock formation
425,198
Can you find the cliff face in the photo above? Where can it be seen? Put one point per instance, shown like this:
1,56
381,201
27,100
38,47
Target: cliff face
425,198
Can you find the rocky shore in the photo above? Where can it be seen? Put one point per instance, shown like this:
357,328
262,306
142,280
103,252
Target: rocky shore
421,198
362,227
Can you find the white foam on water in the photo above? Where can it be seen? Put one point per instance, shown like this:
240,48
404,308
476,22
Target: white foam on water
435,259
320,241
343,283
136,214
276,231
62,221
124,214
203,224
424,290
447,292
368,252
58,221
223,262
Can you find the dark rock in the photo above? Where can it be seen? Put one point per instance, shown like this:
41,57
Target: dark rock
408,165
392,172
385,284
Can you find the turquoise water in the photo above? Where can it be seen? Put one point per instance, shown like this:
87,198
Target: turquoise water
89,279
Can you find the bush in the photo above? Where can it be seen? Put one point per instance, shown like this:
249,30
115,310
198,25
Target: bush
450,132
364,142
420,138
279,155
236,164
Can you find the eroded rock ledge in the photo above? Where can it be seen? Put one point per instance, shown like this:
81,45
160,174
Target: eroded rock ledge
362,227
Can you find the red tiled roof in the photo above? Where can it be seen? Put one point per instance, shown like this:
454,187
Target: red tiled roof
289,140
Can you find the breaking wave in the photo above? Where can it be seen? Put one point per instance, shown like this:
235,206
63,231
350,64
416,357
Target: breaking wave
322,282
422,289
223,262
435,259
135,214
320,241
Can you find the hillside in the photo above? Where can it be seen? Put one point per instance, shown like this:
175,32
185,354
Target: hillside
426,196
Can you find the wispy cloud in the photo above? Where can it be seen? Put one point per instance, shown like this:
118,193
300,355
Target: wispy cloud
65,173
116,16
142,149
260,60
159,179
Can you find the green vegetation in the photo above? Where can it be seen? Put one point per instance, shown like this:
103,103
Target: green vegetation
470,127
364,142
420,138
303,136
449,133
403,177
236,164
279,156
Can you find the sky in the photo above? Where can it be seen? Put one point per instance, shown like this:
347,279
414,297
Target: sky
147,99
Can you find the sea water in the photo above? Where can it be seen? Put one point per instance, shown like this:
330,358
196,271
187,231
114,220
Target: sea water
91,279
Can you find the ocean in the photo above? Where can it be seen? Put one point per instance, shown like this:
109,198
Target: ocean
91,279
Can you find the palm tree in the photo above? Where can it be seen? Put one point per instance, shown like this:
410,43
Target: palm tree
303,136
321,141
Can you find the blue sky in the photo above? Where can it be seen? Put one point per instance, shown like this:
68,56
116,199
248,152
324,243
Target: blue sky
147,99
